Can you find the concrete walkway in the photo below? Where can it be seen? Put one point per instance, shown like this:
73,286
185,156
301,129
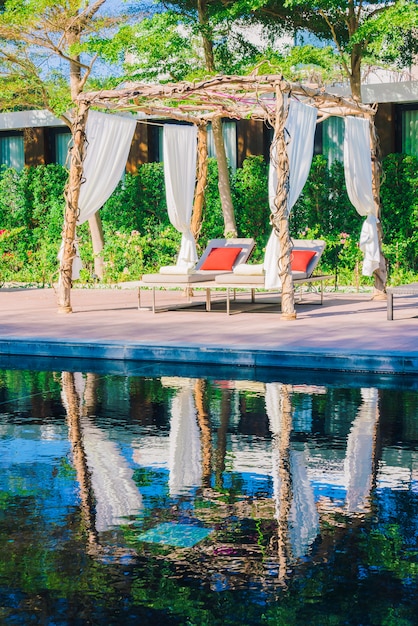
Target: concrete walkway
350,332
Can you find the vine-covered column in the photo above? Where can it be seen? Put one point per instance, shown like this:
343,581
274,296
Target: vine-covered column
72,193
380,275
280,216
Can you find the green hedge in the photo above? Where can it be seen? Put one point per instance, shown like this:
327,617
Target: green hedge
139,237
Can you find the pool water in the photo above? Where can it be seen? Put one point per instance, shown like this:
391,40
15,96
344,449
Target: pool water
142,497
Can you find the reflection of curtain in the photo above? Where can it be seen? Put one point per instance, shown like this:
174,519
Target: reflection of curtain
180,156
185,456
303,519
358,465
115,492
358,178
300,127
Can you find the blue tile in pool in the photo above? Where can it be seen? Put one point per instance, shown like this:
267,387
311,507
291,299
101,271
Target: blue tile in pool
178,535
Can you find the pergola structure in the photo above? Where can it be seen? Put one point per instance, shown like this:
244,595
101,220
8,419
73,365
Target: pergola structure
259,97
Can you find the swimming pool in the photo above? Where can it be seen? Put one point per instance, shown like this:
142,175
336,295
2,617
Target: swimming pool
149,496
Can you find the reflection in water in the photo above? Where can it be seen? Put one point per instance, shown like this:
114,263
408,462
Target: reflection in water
185,462
251,488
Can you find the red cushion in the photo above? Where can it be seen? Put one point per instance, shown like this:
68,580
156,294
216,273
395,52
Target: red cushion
300,260
221,258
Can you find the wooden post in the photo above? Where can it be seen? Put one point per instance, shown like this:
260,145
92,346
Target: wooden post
380,275
280,217
202,178
72,193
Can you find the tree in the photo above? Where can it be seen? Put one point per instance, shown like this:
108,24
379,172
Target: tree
46,62
198,38
379,31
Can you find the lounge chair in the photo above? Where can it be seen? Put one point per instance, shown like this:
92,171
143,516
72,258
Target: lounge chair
220,256
306,255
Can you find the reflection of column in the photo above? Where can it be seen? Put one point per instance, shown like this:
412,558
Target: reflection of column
71,402
204,424
359,460
185,454
280,415
296,512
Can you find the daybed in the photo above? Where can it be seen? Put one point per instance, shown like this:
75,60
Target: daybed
219,257
305,257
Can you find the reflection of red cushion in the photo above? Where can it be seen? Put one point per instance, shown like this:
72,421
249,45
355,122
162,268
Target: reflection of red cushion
300,260
221,258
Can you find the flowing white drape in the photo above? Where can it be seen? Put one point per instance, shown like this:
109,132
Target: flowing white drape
358,178
108,141
180,157
300,129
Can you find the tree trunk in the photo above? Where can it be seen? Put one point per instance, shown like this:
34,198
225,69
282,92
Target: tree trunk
96,232
355,74
202,178
230,229
72,193
280,217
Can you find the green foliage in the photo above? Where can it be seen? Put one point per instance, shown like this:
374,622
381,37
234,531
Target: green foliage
399,194
139,237
250,197
212,224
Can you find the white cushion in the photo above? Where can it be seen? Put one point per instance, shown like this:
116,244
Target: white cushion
177,269
245,269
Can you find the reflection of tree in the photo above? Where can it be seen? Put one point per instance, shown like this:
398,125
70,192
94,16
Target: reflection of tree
203,419
72,403
222,437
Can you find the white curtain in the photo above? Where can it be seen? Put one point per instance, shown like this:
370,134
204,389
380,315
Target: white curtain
109,139
358,178
300,127
180,156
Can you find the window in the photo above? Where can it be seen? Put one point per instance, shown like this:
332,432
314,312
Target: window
229,130
12,153
63,141
333,139
409,131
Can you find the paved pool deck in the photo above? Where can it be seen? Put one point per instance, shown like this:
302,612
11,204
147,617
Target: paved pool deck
348,333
